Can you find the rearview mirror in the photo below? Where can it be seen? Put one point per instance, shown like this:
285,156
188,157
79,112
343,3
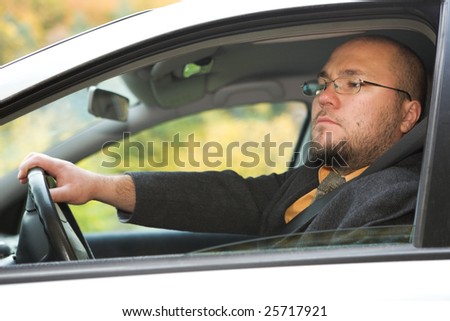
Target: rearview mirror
106,104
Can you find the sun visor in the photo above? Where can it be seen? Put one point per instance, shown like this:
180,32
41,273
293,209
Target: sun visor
182,80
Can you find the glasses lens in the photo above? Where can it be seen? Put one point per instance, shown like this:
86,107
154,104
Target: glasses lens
347,85
312,88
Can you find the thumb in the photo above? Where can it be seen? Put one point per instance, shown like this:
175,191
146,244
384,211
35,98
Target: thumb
61,194
57,194
67,194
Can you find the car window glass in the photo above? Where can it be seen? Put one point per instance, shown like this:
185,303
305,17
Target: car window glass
43,128
399,234
251,140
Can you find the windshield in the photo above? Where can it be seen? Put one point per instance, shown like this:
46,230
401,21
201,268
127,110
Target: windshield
50,125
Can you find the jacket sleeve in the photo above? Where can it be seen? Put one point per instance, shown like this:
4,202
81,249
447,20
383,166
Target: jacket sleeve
210,201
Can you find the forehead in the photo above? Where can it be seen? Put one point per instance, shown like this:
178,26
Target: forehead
361,59
343,72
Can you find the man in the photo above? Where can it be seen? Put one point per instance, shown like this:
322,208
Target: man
369,94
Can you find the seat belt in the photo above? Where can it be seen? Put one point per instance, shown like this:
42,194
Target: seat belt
409,144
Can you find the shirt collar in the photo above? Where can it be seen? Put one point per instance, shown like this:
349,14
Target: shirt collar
325,170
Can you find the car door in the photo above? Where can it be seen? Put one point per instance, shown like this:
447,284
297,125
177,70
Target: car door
383,278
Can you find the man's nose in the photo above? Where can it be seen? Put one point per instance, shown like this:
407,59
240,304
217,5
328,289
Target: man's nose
328,97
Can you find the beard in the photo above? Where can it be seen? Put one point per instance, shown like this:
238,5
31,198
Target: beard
356,149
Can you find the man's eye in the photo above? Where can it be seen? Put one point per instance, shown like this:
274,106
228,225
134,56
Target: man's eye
353,84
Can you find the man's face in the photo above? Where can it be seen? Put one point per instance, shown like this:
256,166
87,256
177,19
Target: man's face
369,121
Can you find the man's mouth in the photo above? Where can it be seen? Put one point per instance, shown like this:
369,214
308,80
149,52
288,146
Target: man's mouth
325,120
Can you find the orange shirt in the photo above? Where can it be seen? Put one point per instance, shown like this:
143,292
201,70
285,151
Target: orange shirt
304,201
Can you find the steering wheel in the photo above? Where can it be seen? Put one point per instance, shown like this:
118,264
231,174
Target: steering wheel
45,220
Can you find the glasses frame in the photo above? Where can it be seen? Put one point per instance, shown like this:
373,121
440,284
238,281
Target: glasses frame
361,82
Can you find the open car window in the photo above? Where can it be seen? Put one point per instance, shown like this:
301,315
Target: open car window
252,140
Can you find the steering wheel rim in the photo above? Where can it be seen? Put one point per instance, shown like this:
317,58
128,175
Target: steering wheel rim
67,243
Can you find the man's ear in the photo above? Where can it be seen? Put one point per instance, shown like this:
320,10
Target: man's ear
411,114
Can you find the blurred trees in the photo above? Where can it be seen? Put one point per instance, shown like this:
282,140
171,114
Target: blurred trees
28,25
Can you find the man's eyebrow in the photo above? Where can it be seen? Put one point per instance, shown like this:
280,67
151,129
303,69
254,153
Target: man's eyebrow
346,72
352,72
323,74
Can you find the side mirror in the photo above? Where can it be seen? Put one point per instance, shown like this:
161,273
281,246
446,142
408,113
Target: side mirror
106,104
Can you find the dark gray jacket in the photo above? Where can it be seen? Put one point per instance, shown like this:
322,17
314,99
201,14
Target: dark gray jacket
226,202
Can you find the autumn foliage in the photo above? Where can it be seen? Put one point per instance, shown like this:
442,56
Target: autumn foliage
28,25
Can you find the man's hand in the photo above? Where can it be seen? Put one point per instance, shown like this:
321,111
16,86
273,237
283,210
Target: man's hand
78,186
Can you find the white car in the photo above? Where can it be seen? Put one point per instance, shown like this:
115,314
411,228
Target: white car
212,86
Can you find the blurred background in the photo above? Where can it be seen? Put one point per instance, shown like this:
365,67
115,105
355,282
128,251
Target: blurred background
27,25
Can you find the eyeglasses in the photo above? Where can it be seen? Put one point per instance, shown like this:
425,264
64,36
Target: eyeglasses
342,85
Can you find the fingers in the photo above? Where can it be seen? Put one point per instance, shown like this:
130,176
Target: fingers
49,164
30,161
70,180
78,186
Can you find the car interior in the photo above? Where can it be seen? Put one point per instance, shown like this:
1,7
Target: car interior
257,66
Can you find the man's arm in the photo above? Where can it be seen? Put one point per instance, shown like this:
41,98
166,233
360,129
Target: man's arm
195,201
210,201
78,186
